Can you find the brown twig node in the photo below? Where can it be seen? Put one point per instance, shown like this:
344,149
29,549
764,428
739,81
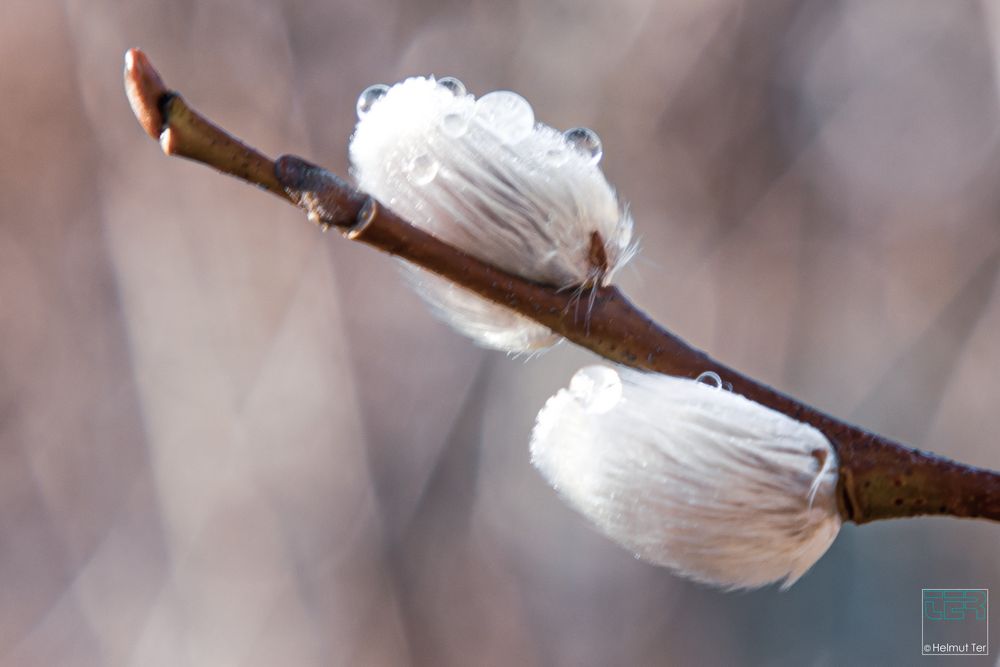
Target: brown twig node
878,478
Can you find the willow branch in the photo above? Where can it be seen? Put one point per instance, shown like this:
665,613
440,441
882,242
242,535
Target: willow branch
879,478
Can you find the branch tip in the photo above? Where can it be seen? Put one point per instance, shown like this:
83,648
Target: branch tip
145,90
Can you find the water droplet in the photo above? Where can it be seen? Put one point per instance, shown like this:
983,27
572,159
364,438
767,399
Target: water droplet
456,123
422,169
557,157
598,389
456,87
506,114
585,142
710,377
369,96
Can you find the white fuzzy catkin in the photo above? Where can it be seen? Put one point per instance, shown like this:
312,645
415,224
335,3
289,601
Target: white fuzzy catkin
484,177
716,487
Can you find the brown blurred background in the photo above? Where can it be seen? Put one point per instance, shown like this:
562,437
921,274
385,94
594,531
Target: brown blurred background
227,439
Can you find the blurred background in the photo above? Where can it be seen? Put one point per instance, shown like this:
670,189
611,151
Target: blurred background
228,439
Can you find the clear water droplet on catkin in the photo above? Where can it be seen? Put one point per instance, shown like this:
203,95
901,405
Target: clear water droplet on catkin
585,142
456,123
507,115
422,169
456,87
368,97
710,377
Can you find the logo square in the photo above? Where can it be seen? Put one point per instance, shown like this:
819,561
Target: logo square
955,621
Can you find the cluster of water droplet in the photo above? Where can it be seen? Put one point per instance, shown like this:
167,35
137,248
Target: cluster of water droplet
455,123
504,113
714,379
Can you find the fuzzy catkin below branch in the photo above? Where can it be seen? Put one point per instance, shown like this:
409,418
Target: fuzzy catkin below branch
878,478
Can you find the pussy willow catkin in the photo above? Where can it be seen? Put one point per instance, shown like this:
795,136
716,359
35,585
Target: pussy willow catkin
716,487
481,175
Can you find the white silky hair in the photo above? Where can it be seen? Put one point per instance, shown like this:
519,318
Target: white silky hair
485,178
718,488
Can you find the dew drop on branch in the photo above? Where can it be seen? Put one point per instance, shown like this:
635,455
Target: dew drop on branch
368,97
585,142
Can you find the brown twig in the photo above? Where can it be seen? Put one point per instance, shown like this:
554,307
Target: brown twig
879,478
